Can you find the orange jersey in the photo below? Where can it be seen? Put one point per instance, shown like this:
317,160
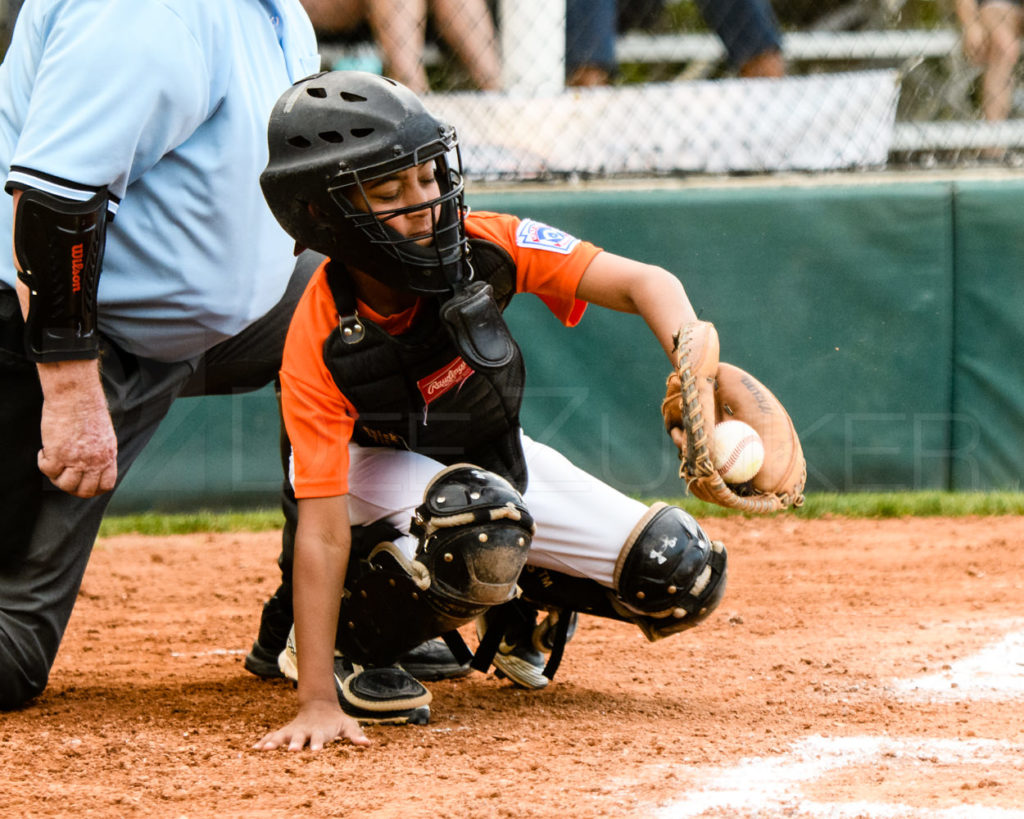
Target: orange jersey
320,419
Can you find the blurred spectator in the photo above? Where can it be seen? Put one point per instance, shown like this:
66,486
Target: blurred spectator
992,32
750,33
400,30
590,30
748,29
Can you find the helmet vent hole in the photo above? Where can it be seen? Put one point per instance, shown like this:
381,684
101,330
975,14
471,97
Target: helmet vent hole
331,136
348,96
361,132
299,142
319,93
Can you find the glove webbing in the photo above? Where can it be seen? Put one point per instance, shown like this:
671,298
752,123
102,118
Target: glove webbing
698,456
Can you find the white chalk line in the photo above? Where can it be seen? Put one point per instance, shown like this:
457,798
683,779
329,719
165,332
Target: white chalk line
215,652
771,786
994,673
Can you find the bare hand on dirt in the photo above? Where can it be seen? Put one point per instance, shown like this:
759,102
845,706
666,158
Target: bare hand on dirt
317,724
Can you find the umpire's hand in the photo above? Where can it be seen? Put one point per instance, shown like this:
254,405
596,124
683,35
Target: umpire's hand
79,453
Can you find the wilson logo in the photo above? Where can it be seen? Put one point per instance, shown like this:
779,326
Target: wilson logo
77,257
437,384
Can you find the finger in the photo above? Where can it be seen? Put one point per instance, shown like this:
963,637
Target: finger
108,479
271,741
678,437
317,740
68,480
96,482
77,482
50,467
62,476
88,485
354,734
298,741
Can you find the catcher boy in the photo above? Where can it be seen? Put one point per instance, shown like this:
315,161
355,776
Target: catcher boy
421,504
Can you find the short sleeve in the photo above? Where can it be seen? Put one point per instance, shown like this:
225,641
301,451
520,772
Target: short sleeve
318,418
549,261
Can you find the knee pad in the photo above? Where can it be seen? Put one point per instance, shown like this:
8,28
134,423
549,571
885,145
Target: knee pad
669,575
475,533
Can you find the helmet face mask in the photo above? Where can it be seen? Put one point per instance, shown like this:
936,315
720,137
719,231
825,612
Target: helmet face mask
417,260
331,135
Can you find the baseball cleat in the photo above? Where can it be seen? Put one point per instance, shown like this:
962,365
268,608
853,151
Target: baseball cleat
433,660
377,695
521,664
520,656
516,658
544,637
262,663
275,622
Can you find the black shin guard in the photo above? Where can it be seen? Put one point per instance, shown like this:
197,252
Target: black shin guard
668,578
474,532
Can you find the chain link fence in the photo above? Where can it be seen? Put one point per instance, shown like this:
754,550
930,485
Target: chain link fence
867,84
604,88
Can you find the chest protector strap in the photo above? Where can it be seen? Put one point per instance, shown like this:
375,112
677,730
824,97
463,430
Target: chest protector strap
450,387
477,327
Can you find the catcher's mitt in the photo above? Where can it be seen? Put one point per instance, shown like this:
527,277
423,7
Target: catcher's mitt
703,392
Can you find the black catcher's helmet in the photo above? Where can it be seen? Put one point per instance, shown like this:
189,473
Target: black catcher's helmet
337,129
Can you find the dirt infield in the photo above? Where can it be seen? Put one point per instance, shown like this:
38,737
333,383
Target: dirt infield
845,674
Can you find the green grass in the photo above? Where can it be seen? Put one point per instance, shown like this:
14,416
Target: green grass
817,505
886,505
153,523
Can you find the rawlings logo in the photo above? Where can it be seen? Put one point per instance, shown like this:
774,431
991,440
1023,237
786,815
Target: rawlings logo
437,384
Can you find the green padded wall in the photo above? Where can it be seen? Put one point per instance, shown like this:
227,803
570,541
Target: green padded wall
987,449
213,452
839,299
886,317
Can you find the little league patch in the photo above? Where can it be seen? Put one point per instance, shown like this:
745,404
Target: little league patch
544,237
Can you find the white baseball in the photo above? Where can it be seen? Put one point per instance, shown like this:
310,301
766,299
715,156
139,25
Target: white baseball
737,451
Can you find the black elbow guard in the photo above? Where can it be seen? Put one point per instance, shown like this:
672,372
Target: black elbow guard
59,246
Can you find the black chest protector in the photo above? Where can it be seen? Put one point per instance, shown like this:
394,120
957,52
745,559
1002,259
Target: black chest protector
449,388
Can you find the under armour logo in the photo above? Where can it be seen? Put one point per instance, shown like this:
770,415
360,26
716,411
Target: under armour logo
666,544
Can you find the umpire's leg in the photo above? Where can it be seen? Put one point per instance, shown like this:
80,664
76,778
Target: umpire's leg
21,482
44,564
43,567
